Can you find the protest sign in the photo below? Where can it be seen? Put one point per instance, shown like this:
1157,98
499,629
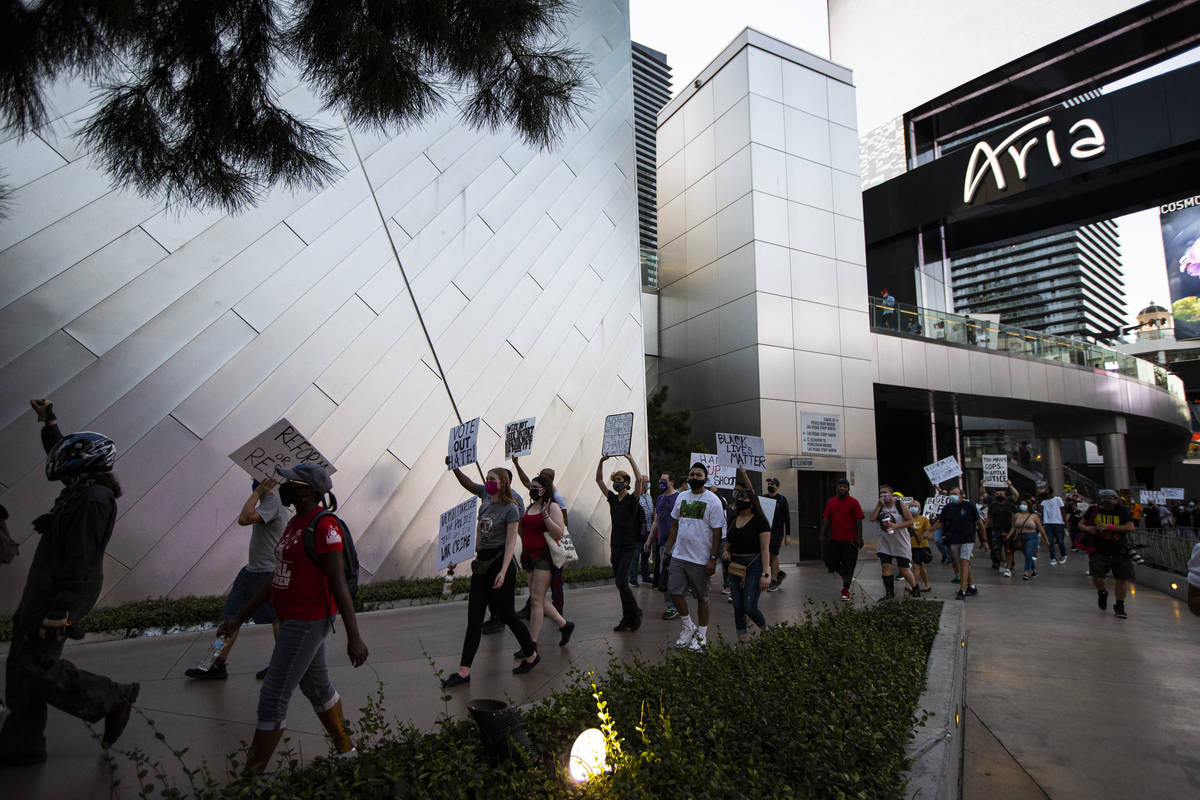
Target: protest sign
738,450
1171,494
995,471
456,534
934,505
518,438
943,470
618,434
463,440
719,477
768,507
821,434
280,445
1151,496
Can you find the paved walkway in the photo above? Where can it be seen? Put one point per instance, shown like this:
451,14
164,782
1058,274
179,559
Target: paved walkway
1067,702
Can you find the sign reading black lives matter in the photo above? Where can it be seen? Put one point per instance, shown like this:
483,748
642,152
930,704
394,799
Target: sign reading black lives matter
456,534
739,450
618,434
518,438
821,434
280,445
462,449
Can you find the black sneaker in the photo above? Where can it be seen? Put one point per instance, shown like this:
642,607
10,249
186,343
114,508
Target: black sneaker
216,672
1102,599
773,586
262,673
493,625
636,622
972,591
621,627
779,577
118,716
670,613
960,596
565,634
1119,610
527,666
455,680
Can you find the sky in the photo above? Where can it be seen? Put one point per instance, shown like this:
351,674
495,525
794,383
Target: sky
693,32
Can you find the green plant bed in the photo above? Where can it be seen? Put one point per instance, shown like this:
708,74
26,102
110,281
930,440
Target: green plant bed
823,709
131,619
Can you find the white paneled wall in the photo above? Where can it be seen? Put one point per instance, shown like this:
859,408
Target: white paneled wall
182,334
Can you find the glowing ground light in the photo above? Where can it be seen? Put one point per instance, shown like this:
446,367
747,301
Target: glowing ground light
588,755
1175,586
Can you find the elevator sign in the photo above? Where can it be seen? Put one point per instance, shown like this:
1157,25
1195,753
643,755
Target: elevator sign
821,434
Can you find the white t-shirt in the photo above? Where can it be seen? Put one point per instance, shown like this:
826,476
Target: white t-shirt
697,516
1052,511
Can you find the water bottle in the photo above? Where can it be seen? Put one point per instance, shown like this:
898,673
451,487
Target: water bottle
214,651
448,584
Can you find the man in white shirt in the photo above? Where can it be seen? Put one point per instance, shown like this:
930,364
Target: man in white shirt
694,544
1052,519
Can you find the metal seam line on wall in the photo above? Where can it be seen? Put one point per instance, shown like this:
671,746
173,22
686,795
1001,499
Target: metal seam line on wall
407,286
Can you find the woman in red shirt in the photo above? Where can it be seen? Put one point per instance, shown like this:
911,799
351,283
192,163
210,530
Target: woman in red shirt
544,518
307,594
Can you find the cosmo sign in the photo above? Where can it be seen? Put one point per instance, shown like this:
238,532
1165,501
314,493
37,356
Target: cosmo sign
1018,145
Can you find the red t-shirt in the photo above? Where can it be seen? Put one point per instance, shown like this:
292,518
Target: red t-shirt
299,588
843,513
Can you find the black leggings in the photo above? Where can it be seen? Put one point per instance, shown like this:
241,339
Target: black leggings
482,597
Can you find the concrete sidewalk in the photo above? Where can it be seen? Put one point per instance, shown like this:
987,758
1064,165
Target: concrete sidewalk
1068,701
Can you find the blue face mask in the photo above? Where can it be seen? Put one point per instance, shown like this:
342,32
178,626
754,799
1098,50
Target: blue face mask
662,485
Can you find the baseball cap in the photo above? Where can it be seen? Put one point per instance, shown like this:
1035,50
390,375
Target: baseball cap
773,480
307,472
1109,493
843,482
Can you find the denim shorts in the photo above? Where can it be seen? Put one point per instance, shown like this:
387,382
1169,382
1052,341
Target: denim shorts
297,660
245,586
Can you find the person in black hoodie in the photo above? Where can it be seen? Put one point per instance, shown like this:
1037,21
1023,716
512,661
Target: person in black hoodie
63,584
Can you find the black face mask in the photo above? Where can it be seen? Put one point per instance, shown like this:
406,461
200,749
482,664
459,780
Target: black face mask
287,494
743,505
771,489
534,494
696,483
618,486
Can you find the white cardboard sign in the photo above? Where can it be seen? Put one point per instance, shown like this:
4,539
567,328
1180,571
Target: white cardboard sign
518,438
456,534
821,434
943,470
618,434
995,471
719,477
768,507
1149,496
1171,494
934,505
280,445
739,450
462,448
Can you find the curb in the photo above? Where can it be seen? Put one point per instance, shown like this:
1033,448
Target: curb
1147,577
936,750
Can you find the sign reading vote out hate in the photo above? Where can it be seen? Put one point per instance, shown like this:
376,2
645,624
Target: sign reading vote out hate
719,477
738,450
463,439
518,438
280,445
995,471
943,470
618,434
456,534
821,434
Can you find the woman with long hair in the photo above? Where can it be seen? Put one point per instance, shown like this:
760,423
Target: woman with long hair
747,551
544,518
493,574
1027,527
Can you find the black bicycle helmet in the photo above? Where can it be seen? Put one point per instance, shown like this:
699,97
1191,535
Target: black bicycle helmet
78,453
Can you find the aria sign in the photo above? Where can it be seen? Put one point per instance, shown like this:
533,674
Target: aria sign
985,158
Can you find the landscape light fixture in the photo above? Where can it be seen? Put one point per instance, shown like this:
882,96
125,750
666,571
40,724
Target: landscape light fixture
588,756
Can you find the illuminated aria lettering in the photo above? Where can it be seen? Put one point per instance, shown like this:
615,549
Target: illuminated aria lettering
985,159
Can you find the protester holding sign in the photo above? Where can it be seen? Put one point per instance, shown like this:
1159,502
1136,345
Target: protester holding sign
747,550
894,520
623,541
493,574
543,519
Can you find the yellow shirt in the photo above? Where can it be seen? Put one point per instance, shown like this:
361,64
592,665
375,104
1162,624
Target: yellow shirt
920,531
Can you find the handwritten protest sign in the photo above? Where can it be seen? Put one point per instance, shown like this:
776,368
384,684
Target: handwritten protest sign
995,471
456,534
943,470
280,445
518,438
1151,496
1171,494
934,505
719,477
463,439
738,450
618,434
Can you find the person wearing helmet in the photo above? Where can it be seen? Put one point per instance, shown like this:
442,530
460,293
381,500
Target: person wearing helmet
64,582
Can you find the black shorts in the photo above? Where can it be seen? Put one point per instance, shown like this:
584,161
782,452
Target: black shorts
901,561
776,542
921,555
1121,565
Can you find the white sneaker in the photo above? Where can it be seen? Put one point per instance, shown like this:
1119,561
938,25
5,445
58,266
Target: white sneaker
1054,562
686,637
1062,560
699,642
1007,573
349,754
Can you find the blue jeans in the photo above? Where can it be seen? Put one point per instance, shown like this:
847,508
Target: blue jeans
941,545
1055,534
745,595
1029,545
298,659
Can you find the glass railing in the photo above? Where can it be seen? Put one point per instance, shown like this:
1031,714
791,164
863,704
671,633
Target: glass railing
942,326
1022,452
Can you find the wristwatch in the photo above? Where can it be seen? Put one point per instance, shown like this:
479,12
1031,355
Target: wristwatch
712,558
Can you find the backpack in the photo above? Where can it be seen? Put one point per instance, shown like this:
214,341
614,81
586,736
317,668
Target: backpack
349,553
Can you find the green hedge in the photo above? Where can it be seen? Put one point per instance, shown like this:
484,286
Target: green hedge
824,709
130,619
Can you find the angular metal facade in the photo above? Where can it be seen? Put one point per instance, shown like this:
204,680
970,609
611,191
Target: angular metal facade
181,335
